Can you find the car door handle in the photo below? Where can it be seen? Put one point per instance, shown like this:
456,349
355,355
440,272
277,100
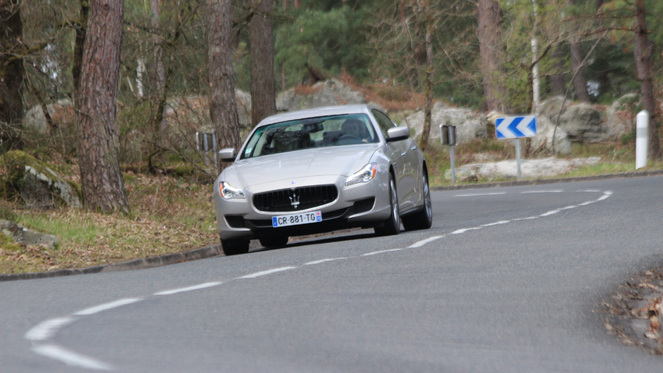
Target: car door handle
403,154
414,147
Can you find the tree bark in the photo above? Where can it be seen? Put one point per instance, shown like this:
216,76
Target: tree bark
641,52
12,72
98,131
580,80
534,41
423,143
222,102
490,52
577,58
557,80
160,70
261,35
79,44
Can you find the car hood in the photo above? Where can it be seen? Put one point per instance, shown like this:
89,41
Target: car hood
299,165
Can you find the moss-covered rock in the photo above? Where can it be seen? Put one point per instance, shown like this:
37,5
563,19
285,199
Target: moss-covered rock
35,183
20,235
9,244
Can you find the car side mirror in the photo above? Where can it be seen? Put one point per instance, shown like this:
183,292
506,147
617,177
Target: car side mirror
397,134
227,154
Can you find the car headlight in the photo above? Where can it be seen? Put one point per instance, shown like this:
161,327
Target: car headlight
228,191
366,174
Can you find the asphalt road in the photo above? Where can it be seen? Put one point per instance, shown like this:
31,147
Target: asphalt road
509,279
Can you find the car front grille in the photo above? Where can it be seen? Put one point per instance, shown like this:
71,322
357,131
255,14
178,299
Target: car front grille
296,199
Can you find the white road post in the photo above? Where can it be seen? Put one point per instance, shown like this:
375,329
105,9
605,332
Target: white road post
641,139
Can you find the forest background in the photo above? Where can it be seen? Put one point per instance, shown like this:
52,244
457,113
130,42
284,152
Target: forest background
122,63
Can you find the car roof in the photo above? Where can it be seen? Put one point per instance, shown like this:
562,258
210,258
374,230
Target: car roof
316,112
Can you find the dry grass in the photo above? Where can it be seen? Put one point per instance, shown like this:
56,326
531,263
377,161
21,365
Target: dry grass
168,215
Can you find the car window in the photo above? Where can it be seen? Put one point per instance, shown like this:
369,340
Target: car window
319,132
383,121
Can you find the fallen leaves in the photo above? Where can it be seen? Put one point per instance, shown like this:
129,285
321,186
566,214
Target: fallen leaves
168,215
640,298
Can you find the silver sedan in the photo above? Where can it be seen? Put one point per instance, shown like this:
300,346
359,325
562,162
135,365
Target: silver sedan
320,170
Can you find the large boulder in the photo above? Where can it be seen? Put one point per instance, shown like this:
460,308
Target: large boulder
61,113
193,112
469,124
620,116
35,183
325,93
553,140
581,121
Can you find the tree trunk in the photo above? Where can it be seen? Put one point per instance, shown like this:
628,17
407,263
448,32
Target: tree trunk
490,52
98,131
159,139
641,52
79,44
11,75
222,102
536,93
261,35
580,80
423,143
557,80
160,69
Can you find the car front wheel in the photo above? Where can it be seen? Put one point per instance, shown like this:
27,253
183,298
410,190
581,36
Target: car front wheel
422,219
274,242
234,247
392,225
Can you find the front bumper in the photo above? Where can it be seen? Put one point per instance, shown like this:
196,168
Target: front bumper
360,205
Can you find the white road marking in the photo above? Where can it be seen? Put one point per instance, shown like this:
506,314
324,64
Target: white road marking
107,306
481,194
268,272
70,358
527,218
190,288
569,207
497,223
323,261
605,196
424,242
45,329
380,252
461,231
542,191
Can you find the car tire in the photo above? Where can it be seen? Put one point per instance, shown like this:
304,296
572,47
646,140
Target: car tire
234,247
422,219
392,225
274,242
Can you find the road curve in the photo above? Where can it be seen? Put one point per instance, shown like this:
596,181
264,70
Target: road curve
508,279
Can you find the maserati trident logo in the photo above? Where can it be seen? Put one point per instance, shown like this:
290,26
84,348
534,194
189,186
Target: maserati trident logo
294,199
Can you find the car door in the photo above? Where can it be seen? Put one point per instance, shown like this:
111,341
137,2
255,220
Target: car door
404,160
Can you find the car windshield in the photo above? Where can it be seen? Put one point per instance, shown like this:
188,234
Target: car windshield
309,133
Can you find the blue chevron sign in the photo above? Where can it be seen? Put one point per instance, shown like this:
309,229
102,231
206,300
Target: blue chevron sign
515,127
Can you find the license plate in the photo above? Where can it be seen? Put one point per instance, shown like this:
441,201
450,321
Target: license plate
296,219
